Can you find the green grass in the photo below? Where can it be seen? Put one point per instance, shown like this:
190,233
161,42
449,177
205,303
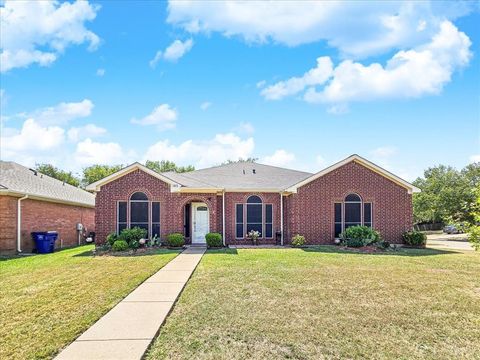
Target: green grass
327,304
46,301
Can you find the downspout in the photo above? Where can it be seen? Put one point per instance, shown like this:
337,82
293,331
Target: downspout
281,219
19,223
223,217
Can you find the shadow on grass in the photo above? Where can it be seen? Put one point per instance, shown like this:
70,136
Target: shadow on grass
400,252
228,251
90,253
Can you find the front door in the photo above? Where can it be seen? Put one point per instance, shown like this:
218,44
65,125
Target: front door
201,226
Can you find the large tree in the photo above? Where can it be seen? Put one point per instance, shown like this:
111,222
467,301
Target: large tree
165,166
447,194
96,172
58,174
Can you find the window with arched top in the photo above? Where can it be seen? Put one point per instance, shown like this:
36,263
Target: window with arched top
254,215
140,212
351,212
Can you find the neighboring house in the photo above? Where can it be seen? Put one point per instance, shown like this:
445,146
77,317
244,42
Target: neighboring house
31,201
235,198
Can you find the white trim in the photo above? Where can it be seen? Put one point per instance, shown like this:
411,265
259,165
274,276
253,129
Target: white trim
281,219
135,166
19,223
358,159
223,218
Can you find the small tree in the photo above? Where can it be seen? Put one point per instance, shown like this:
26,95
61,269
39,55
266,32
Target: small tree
97,172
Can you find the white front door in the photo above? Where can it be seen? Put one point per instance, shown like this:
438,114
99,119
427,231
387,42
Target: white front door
201,226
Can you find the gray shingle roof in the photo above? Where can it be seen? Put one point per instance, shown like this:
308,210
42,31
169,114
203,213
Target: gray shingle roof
241,175
19,179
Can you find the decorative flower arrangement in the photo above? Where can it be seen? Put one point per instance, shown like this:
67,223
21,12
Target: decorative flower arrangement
254,235
142,241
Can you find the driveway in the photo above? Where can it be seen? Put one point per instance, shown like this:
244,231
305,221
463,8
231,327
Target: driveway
449,241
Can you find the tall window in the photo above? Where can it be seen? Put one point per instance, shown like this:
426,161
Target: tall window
254,214
143,213
239,221
352,211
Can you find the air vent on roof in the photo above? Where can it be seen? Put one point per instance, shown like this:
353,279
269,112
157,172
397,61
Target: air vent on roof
35,172
243,171
253,170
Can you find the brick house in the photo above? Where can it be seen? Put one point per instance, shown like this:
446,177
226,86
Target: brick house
31,201
235,198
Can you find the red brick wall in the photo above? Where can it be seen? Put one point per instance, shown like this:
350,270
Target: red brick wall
41,216
231,199
8,224
310,212
171,204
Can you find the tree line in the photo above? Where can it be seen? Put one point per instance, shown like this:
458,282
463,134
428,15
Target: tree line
94,173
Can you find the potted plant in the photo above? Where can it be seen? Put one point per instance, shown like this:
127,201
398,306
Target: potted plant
254,235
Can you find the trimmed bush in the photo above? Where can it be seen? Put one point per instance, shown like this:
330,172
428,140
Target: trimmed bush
175,240
214,240
120,245
111,238
132,235
415,238
354,235
298,240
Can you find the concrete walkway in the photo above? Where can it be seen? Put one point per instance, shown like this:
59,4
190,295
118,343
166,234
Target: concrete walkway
126,331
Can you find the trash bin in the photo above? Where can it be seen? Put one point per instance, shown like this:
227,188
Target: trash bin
44,241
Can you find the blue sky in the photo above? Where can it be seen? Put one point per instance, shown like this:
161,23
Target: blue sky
116,82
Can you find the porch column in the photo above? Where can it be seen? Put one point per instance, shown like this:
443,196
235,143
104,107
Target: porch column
223,217
281,219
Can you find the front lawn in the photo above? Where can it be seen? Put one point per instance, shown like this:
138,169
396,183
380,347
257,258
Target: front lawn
326,303
46,301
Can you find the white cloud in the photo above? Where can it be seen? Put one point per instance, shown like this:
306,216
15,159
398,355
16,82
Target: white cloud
423,70
203,153
88,131
245,127
31,138
383,152
89,152
320,161
163,116
357,29
475,158
100,72
61,113
173,52
279,158
39,31
205,105
318,75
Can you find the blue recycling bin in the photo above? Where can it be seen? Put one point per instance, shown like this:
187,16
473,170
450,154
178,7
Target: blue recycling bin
44,241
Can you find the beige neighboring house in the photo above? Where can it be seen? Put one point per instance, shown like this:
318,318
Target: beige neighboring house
31,201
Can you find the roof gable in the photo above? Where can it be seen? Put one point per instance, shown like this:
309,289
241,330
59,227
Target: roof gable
364,162
127,170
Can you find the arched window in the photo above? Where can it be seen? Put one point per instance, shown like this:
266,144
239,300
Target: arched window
352,211
254,214
139,210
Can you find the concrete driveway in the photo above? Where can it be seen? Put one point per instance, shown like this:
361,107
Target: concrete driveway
449,241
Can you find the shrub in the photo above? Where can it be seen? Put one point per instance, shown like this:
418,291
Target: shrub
175,240
111,238
298,240
133,234
120,245
214,240
354,235
383,244
474,236
415,238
